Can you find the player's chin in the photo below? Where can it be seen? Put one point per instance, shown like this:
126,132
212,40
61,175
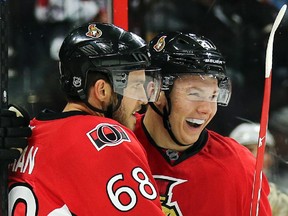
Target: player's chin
189,138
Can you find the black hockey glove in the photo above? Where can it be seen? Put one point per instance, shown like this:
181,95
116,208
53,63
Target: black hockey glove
14,131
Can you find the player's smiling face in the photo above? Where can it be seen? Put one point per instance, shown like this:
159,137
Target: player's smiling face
194,104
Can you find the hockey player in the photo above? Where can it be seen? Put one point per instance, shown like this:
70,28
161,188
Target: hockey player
198,171
80,161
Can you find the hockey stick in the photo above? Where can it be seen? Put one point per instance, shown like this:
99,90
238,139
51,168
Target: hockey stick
3,102
264,117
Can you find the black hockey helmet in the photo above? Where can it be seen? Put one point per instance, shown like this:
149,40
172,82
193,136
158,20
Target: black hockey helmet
180,53
101,48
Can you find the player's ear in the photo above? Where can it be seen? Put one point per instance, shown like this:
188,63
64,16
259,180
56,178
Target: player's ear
102,90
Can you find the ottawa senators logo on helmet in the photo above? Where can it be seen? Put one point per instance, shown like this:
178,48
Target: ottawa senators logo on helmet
107,135
160,44
93,31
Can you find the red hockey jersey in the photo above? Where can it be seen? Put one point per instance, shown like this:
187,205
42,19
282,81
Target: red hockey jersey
78,164
213,177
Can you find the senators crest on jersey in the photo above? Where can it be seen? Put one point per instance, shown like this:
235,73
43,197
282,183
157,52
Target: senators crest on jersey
105,134
166,185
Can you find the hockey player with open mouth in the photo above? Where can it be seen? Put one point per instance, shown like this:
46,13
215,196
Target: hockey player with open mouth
198,171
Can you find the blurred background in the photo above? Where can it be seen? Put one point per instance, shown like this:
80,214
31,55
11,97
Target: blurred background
239,28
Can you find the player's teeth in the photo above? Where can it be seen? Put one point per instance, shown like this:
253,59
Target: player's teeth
196,121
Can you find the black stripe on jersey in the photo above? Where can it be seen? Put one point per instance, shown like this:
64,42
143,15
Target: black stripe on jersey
47,114
194,149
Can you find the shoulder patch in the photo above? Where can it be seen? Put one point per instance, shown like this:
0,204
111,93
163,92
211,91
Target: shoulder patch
107,135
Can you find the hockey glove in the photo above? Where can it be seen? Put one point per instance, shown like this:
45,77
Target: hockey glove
14,131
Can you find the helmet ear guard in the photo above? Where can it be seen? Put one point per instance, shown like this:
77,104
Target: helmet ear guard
72,84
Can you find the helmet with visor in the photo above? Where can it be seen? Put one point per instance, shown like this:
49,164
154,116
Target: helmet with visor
185,54
105,49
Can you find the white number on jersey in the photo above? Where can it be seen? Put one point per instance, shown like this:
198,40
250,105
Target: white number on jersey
139,176
24,194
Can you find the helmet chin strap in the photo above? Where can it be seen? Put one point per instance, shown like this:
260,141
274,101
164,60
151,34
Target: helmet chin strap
152,105
165,118
110,109
167,126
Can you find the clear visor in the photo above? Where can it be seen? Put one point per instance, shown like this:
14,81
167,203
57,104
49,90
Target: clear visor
198,87
142,84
